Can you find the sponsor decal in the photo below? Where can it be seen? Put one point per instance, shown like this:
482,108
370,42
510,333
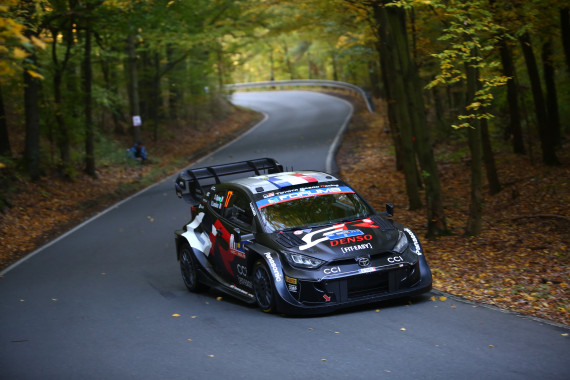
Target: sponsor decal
236,249
291,280
367,270
357,247
242,270
273,266
292,288
245,282
343,234
333,270
349,240
415,240
298,232
228,197
317,236
395,259
302,194
253,209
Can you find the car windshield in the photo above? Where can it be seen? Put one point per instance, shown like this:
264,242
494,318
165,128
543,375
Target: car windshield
306,209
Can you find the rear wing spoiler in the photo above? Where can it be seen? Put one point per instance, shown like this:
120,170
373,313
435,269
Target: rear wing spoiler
189,188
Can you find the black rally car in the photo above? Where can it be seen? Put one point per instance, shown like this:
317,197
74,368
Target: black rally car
292,242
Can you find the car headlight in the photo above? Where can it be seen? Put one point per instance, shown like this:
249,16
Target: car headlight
302,261
402,243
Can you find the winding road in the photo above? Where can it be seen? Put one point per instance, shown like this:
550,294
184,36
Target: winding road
106,301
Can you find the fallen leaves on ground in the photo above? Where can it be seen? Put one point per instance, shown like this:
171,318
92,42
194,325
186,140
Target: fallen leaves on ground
519,262
47,208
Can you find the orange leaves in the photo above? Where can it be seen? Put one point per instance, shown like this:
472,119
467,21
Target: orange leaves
520,261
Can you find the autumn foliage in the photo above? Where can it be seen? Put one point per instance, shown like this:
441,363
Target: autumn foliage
520,261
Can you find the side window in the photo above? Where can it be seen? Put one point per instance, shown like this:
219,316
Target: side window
236,209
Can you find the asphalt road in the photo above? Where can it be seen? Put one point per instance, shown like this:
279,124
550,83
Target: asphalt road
106,301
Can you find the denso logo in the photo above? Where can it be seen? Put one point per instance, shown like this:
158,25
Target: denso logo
354,239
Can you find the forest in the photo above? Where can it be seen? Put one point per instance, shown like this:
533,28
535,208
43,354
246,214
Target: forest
75,74
80,80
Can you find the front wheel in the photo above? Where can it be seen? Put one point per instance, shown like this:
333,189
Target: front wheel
263,287
189,269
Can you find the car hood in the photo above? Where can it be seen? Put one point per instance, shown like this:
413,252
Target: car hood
343,240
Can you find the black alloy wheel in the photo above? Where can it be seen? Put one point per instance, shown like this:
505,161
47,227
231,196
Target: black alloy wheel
263,287
188,269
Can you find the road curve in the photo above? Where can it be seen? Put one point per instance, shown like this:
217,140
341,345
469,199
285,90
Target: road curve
106,301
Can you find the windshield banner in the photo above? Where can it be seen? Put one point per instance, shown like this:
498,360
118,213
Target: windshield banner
302,194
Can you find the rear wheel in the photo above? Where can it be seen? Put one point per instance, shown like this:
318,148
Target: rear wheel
189,269
263,287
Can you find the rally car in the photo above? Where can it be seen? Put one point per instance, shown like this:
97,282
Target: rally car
293,242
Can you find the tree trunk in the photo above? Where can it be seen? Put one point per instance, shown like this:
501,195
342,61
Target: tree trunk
32,150
155,96
514,130
397,89
391,111
565,32
489,159
88,107
174,95
110,77
5,149
416,109
474,220
551,97
546,140
133,87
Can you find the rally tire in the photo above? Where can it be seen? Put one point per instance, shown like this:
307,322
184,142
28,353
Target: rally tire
263,287
189,269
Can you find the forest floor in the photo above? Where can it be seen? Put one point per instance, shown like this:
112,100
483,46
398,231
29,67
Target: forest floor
520,261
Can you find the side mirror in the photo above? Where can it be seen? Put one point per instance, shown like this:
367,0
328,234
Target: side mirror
238,237
389,209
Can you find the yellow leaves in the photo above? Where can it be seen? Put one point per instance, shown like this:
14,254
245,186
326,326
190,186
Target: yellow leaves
38,43
19,53
35,74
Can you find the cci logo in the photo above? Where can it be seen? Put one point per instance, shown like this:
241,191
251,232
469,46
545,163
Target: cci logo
332,270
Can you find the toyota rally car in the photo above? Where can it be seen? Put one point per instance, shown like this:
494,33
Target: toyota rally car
292,242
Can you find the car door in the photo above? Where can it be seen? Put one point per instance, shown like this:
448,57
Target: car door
234,220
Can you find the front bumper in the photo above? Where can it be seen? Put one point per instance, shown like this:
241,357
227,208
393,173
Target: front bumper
329,294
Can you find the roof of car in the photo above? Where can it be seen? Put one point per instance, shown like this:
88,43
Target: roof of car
274,182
